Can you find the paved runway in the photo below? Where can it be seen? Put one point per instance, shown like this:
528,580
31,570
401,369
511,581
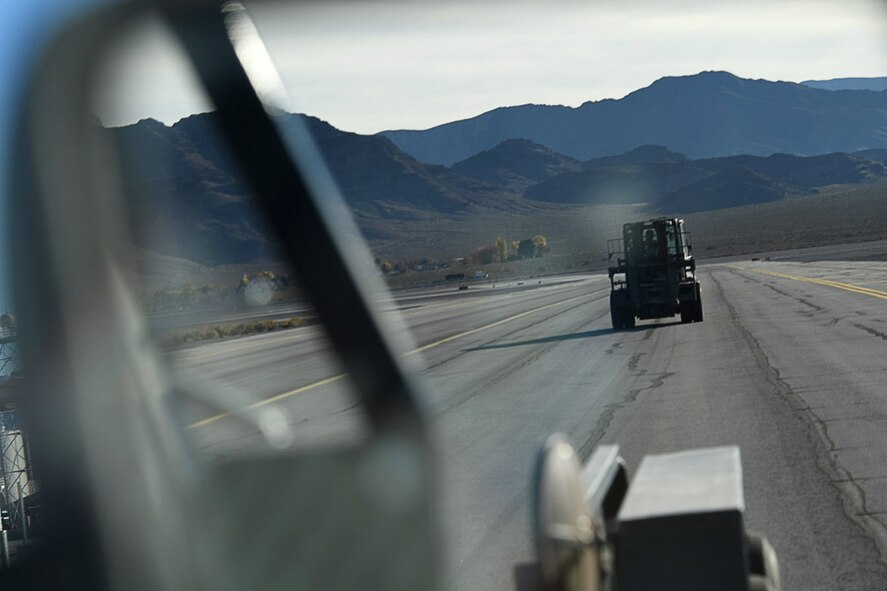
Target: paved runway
790,364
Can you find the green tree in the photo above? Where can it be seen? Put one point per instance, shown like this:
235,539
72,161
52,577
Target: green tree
526,248
484,255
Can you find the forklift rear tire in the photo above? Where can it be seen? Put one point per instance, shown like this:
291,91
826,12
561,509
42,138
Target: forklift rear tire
616,318
687,312
619,313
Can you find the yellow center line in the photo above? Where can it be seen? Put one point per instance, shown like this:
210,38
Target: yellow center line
337,377
270,400
875,293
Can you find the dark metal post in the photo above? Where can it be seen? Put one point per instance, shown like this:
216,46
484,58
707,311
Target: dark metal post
4,548
26,452
21,510
4,472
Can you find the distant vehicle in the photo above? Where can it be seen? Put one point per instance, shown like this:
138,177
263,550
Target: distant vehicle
481,275
656,260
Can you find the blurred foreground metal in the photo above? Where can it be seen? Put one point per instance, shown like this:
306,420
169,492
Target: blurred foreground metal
678,525
130,504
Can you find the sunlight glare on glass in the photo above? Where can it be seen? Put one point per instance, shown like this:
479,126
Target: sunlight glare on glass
255,58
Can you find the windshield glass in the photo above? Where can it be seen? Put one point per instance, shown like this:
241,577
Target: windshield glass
486,154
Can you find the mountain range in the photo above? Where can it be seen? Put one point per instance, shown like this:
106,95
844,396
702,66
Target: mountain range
189,199
669,182
709,114
190,202
876,84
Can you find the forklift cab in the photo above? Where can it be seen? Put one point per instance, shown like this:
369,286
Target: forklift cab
655,240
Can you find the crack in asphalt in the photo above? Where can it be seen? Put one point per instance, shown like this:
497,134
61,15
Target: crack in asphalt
610,410
852,495
609,413
871,331
833,321
788,295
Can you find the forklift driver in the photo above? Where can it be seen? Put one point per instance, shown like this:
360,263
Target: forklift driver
651,244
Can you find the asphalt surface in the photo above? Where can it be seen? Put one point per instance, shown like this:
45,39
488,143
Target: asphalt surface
789,364
395,300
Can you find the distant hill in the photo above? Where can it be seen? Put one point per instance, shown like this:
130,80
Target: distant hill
374,175
191,203
813,171
637,176
879,155
731,187
875,84
641,155
183,204
706,115
711,183
516,164
641,183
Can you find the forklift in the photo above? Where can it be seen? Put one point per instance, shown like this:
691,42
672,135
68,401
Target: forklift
659,273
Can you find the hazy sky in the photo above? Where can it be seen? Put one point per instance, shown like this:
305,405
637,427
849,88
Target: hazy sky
372,66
